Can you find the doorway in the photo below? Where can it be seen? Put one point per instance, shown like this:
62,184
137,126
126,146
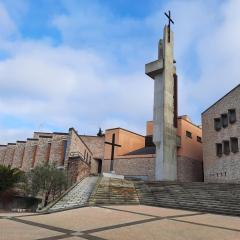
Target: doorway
99,166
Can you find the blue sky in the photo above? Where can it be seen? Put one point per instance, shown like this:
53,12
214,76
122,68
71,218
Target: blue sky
77,63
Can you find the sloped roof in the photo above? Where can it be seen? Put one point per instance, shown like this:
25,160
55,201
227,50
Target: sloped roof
143,151
221,98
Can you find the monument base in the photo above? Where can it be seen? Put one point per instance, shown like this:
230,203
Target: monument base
112,175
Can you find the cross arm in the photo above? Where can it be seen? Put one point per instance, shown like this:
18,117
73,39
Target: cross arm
116,145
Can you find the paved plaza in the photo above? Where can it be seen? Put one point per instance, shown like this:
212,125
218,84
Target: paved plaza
119,222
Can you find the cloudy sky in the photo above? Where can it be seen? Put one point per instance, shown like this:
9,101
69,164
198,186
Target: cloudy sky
77,63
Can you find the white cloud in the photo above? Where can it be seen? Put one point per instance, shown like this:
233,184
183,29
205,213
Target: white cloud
95,77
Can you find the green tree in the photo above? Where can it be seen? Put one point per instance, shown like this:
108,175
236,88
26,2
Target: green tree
47,181
9,178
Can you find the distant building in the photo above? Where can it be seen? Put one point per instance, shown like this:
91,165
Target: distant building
221,136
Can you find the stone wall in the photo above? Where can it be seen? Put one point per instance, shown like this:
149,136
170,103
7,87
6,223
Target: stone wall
227,167
18,154
189,170
9,154
57,153
138,166
77,169
77,147
43,150
29,154
3,149
95,144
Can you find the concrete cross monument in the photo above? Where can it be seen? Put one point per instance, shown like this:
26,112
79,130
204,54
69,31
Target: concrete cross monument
163,71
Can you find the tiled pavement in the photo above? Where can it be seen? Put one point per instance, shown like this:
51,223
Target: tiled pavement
119,222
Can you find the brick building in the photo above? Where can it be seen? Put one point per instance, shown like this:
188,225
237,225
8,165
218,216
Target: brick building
221,134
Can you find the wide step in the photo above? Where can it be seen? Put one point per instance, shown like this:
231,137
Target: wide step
205,197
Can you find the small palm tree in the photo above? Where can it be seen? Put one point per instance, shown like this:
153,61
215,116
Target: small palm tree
9,177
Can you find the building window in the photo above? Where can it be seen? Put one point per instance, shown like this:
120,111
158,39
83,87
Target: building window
234,145
226,147
219,149
224,118
232,115
199,139
64,150
87,157
217,124
188,134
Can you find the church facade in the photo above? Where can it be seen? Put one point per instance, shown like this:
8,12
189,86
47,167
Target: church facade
221,136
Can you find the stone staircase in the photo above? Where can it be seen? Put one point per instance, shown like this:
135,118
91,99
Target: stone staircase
114,191
78,196
204,197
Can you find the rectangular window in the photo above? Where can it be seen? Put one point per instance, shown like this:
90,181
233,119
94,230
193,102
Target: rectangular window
232,116
219,149
226,147
48,152
224,118
199,139
188,134
217,124
64,150
234,145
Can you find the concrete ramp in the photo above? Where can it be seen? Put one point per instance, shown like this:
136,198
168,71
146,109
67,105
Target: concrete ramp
78,196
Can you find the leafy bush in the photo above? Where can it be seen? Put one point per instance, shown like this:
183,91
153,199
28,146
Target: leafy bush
9,177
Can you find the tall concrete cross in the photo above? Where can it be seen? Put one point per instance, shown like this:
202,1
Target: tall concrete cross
163,71
169,23
113,144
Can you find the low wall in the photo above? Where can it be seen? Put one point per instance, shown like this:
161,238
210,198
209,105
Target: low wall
139,167
19,202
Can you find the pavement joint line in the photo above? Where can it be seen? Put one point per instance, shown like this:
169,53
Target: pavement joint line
41,225
120,225
121,210
64,236
149,215
68,233
205,225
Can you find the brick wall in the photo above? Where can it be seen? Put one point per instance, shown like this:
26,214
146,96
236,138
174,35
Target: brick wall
29,154
9,154
57,148
77,169
43,150
3,149
227,167
18,154
133,166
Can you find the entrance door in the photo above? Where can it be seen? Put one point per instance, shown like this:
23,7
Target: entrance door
99,166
